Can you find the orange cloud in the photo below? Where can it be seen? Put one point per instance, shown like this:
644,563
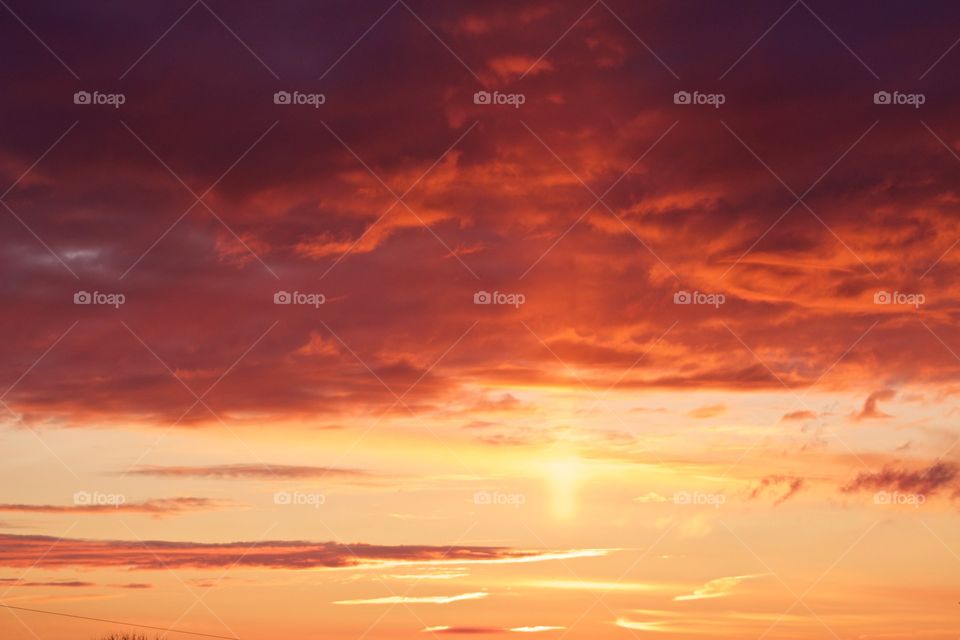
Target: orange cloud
799,415
870,408
708,411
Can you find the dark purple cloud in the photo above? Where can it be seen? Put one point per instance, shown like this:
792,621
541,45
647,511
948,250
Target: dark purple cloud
937,478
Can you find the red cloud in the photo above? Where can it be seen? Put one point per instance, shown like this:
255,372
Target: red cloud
505,208
791,486
158,508
258,471
48,553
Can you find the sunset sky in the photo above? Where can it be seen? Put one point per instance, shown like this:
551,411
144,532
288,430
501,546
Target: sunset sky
339,319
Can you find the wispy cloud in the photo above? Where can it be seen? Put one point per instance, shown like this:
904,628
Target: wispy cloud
718,587
708,411
465,630
47,552
788,486
447,575
651,497
159,508
462,630
19,582
595,585
802,414
927,480
477,595
625,623
244,471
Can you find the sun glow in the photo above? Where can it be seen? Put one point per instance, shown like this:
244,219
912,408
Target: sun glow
565,477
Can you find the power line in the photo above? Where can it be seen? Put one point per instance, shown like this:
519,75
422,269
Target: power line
126,624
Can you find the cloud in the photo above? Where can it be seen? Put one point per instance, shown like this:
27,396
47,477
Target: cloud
652,497
870,409
133,585
416,577
18,582
718,588
510,67
708,411
24,550
626,623
159,508
927,481
594,585
463,630
418,599
799,296
244,471
792,486
798,415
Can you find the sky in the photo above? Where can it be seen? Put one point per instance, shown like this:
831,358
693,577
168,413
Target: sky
388,320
